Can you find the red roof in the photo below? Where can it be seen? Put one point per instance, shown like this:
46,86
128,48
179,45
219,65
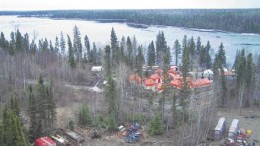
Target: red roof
173,71
44,141
159,71
149,82
176,83
154,76
201,83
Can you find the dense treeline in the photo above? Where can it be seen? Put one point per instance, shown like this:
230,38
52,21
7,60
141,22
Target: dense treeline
226,20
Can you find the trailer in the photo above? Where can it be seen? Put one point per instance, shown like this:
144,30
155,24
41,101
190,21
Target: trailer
220,129
233,130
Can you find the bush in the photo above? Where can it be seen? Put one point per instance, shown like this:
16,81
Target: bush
156,127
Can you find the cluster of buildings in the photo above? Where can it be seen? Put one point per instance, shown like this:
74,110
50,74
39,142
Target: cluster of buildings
155,81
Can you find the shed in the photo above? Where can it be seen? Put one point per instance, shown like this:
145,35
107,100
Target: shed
96,68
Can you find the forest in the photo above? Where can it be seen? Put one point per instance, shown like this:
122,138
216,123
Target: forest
39,79
231,20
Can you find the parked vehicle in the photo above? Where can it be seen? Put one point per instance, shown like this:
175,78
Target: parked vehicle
233,130
220,129
44,141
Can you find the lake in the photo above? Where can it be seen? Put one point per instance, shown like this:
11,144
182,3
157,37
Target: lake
100,33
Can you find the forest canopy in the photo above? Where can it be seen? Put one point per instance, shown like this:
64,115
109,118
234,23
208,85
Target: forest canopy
233,20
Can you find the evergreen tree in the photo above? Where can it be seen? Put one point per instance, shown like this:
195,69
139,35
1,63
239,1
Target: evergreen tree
192,49
84,116
222,55
108,61
2,41
161,47
62,44
26,42
12,134
184,93
122,49
11,48
198,46
208,63
177,51
156,126
151,54
219,77
18,41
87,46
33,134
140,61
135,50
57,46
51,48
45,45
77,46
72,62
33,47
130,52
114,46
112,100
94,53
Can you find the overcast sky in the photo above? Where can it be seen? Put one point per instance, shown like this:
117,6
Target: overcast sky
124,4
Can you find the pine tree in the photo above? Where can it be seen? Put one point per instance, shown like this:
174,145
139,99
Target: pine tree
51,48
222,55
218,68
198,46
12,134
135,50
26,42
62,44
130,52
208,63
94,53
84,116
11,48
114,46
108,61
155,127
18,41
140,61
72,62
77,46
112,100
33,134
151,54
87,46
177,51
161,47
122,49
184,93
57,46
2,41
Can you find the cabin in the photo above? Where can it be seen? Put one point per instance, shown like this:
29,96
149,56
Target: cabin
233,130
220,129
96,69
